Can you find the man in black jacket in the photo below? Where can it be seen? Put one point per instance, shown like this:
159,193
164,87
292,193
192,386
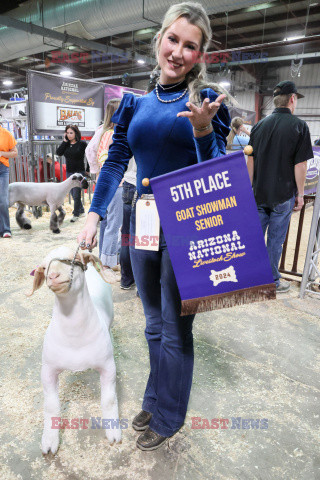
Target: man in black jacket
277,168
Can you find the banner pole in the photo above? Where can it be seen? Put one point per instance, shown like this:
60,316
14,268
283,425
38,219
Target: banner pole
30,128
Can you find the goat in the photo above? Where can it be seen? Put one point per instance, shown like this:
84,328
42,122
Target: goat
51,194
77,337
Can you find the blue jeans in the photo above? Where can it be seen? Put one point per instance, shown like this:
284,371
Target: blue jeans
76,195
4,200
169,338
277,221
109,241
127,278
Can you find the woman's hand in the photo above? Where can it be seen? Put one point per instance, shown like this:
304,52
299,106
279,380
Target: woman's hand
200,117
88,236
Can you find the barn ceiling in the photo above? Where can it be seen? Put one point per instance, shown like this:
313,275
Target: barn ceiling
126,34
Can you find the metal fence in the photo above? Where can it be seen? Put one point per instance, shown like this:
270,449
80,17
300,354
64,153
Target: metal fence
308,202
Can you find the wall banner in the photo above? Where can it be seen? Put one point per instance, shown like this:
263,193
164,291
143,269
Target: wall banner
56,102
117,91
313,172
213,233
247,116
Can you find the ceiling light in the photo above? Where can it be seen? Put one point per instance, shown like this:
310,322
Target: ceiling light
66,73
289,39
141,61
7,82
225,84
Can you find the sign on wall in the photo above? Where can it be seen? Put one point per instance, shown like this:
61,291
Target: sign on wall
313,173
248,117
56,101
213,233
117,91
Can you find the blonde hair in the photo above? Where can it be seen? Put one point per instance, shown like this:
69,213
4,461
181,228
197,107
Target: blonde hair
282,100
236,123
111,108
197,77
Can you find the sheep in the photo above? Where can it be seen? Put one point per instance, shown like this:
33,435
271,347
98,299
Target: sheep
77,337
35,194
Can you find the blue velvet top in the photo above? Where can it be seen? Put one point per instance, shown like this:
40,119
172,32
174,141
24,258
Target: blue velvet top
160,141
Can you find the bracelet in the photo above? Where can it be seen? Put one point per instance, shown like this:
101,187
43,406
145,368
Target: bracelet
301,196
203,128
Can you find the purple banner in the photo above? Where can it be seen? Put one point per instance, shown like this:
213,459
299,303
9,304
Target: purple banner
313,171
117,91
213,233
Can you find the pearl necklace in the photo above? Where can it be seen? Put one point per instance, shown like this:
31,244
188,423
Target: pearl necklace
170,101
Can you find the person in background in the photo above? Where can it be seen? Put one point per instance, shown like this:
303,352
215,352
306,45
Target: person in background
73,148
8,150
277,168
235,141
48,163
97,153
129,188
181,122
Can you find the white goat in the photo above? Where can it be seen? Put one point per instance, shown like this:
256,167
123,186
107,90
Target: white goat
36,194
78,336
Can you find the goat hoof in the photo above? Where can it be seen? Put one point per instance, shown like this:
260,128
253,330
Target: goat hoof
57,230
26,226
49,443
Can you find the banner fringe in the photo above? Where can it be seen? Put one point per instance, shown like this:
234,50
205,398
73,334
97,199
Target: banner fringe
231,299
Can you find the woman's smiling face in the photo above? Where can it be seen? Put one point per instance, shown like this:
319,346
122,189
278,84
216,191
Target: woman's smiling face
178,50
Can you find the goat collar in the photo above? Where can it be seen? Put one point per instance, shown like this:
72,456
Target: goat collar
72,262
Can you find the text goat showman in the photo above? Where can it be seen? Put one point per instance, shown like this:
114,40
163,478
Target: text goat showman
78,335
47,193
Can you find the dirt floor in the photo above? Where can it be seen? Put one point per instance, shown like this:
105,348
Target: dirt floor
85,454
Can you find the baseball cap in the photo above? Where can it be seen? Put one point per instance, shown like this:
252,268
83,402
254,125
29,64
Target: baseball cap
285,88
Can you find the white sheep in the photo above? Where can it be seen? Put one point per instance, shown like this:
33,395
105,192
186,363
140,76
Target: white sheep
36,194
78,336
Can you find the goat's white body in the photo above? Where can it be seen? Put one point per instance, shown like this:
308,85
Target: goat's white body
78,338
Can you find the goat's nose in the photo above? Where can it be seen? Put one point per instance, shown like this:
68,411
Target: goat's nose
53,276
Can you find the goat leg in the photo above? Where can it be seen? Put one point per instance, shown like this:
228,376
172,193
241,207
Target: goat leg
109,401
54,225
21,219
61,215
50,383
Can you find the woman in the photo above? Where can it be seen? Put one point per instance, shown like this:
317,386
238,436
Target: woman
179,123
234,140
97,152
73,148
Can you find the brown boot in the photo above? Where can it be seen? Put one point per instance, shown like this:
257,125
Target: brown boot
150,440
141,421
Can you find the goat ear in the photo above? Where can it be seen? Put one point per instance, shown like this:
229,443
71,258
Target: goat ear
87,257
37,280
74,177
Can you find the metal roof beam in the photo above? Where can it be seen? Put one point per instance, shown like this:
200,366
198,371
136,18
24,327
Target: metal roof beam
64,37
269,19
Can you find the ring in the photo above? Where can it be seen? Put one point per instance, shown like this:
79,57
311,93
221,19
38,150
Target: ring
82,244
